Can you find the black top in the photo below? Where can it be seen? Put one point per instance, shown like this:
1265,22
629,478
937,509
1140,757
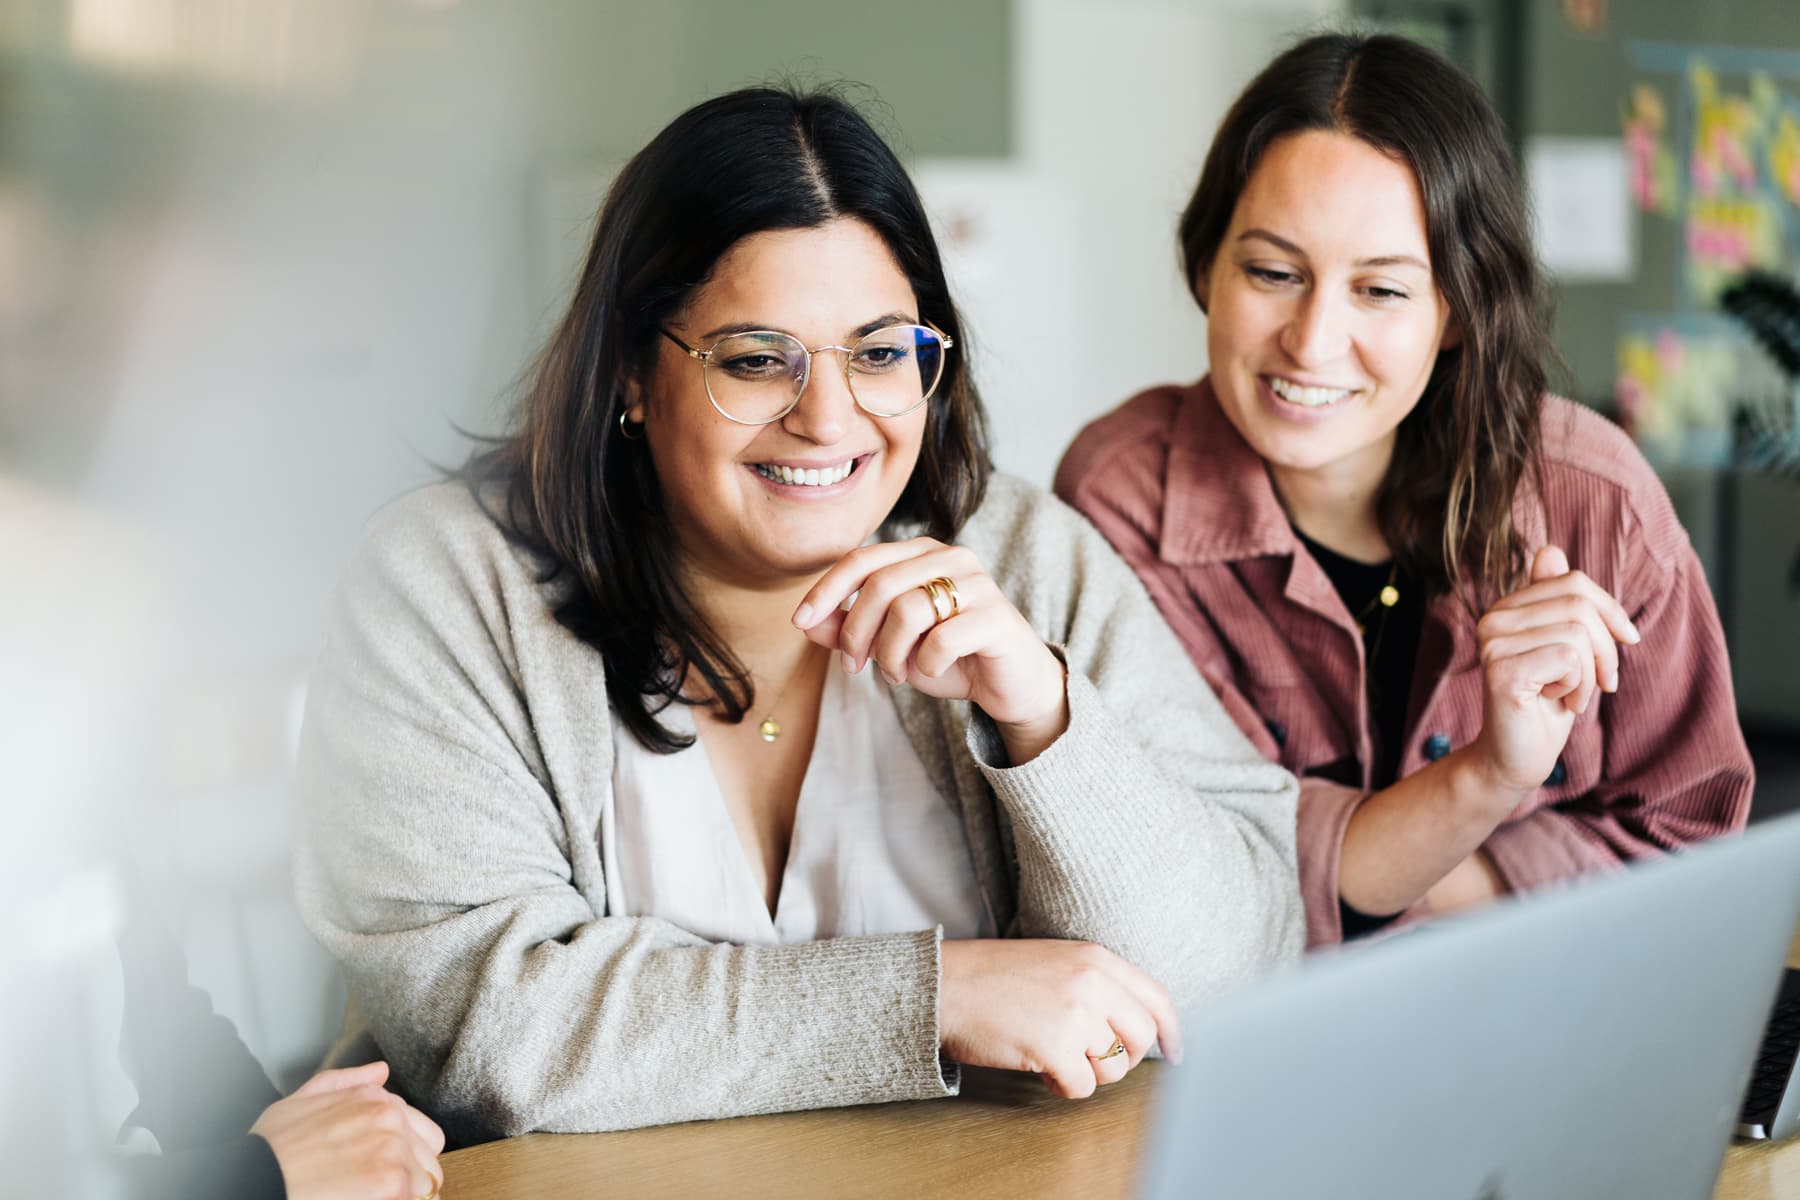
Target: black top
1390,652
199,1088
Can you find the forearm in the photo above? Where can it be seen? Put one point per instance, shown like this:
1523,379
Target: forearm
1182,863
1407,839
530,1014
243,1168
1472,882
175,1037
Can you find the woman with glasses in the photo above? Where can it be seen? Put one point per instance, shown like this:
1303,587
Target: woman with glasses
1462,610
728,740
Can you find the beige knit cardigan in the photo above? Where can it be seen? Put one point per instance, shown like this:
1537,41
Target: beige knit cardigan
458,753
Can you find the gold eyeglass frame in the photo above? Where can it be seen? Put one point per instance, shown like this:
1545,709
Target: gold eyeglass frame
704,356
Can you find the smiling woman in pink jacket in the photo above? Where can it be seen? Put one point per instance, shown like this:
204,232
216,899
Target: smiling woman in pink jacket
1462,610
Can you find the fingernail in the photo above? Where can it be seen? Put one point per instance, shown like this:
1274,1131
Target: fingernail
1635,637
849,663
892,680
803,616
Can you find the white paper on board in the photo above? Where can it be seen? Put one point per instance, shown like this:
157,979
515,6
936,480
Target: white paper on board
1582,211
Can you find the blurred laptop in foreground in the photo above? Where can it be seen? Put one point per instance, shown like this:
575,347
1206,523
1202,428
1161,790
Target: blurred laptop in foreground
1595,1041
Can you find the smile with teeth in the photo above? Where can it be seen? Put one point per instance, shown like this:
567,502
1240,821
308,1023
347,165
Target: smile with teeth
1307,397
809,477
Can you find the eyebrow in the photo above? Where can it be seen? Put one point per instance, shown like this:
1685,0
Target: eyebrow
863,330
1380,260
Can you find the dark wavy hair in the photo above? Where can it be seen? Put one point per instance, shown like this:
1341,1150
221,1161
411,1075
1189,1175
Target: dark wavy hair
1462,456
585,498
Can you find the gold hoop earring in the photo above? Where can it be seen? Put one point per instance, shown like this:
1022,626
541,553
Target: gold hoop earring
625,428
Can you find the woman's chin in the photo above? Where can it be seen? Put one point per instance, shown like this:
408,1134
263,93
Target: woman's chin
804,558
1302,449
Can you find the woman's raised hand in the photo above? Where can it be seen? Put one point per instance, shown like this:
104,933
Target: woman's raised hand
983,651
1545,650
344,1136
1052,1007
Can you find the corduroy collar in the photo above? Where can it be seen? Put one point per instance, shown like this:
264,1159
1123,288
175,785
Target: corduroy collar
1218,502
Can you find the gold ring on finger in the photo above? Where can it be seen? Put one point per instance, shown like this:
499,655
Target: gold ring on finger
945,586
1118,1048
943,603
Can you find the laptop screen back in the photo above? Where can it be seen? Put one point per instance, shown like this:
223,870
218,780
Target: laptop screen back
1591,1042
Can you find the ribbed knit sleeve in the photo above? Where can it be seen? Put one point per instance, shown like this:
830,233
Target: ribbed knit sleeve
1152,825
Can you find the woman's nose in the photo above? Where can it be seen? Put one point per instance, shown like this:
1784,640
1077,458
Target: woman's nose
1318,331
826,408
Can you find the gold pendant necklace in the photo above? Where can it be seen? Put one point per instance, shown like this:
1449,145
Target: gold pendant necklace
770,729
1387,597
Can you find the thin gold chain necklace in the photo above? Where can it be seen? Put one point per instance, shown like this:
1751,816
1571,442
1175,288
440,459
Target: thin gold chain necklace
1386,598
770,729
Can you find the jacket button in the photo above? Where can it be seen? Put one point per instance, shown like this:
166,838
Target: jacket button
1558,773
1436,746
1278,731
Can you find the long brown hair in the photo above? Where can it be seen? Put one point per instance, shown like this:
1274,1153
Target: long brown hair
1463,455
584,496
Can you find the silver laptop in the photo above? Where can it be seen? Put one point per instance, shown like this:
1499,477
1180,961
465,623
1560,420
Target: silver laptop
1589,1042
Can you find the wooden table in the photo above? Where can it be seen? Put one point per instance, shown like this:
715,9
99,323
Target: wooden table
1005,1136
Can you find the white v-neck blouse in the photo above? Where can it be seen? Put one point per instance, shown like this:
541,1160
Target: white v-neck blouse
875,848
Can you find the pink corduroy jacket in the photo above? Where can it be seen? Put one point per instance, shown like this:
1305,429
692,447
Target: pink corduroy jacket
1659,764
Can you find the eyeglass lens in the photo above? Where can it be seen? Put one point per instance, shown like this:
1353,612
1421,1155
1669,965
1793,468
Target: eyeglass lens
756,376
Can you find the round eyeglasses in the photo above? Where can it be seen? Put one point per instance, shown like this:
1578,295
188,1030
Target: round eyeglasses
757,377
